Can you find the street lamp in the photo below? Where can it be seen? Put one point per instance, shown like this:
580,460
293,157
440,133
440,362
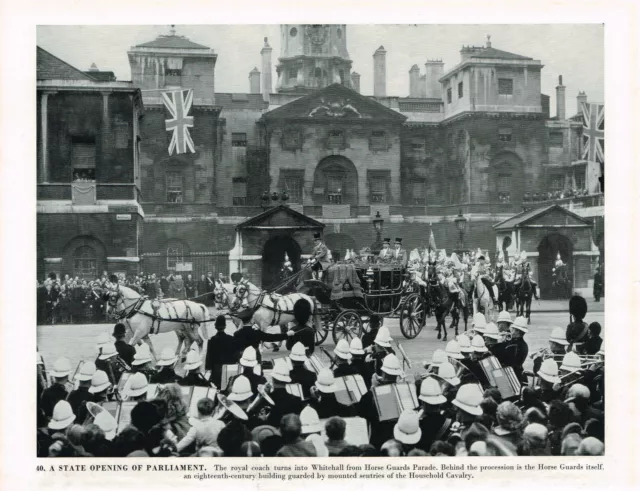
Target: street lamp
461,225
378,222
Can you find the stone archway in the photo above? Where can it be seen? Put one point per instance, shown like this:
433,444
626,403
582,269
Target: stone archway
548,249
273,258
84,256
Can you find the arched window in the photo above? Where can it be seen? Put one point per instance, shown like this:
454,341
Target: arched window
85,262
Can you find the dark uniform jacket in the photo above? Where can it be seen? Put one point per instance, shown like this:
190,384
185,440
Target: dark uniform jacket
329,407
380,431
165,376
345,369
515,353
285,403
306,378
51,396
592,346
254,381
125,351
77,400
248,336
434,426
304,335
194,379
361,368
113,370
221,350
368,338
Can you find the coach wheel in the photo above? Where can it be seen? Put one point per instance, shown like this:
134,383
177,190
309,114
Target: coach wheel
321,332
347,325
412,316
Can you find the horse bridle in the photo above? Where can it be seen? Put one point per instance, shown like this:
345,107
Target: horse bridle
114,297
221,295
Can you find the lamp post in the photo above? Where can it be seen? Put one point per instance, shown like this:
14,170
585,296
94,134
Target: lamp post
378,222
268,200
461,225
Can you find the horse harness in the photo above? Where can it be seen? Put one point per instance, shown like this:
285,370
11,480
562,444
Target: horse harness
243,290
156,319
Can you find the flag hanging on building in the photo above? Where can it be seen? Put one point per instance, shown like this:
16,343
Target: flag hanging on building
593,132
178,104
432,242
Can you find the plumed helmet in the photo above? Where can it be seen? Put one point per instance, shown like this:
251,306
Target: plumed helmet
578,307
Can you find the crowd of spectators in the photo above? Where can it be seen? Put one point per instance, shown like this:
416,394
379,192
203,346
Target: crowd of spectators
554,195
72,300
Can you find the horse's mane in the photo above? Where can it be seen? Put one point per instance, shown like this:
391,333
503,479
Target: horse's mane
128,292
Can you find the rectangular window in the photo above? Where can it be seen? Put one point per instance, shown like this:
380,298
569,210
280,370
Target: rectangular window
291,139
239,191
378,140
293,183
460,90
174,187
418,192
336,138
505,86
238,139
580,181
556,139
335,187
504,134
293,72
417,147
83,159
378,189
449,95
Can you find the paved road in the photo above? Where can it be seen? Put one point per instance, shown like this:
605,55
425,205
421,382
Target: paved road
78,341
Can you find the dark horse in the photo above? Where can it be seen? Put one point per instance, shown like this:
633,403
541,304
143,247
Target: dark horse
505,291
524,294
441,303
562,283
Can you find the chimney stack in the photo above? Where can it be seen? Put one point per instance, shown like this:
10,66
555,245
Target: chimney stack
582,98
561,112
254,81
380,72
423,86
266,69
435,69
355,81
414,81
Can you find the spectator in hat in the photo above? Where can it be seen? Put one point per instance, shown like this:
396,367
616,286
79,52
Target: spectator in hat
578,397
78,397
570,444
299,373
335,429
590,446
489,412
57,391
99,435
221,350
595,428
302,330
560,415
125,350
205,429
167,362
294,445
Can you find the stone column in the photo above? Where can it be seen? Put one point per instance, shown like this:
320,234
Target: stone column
44,132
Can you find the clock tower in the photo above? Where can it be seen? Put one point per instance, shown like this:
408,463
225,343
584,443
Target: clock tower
312,57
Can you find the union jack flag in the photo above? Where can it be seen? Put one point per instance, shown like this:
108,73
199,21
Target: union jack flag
179,104
593,132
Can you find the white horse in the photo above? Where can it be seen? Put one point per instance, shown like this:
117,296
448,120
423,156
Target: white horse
482,300
270,309
144,316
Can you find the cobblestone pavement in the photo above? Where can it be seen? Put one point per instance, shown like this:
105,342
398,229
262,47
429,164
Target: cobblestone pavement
77,341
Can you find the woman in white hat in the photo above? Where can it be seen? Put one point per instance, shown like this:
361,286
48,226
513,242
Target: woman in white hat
81,395
284,403
57,391
193,371
433,423
167,362
342,360
324,398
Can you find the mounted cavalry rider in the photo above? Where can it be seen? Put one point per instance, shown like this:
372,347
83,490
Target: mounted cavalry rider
560,270
419,257
481,269
521,264
320,257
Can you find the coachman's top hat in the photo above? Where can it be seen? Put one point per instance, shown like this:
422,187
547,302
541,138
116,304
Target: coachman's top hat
316,236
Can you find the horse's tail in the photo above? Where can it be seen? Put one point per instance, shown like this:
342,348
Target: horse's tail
203,327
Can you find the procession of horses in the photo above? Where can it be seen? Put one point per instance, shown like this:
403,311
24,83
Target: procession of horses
414,288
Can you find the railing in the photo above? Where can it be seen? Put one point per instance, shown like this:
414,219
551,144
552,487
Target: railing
574,202
104,191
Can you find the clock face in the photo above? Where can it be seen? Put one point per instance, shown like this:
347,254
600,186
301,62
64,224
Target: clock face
293,32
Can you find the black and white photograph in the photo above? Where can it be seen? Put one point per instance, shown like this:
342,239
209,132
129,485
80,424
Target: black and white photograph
320,240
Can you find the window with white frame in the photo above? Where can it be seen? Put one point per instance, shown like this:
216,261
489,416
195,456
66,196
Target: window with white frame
505,86
378,186
174,186
175,254
293,184
239,191
418,192
85,262
335,187
504,134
